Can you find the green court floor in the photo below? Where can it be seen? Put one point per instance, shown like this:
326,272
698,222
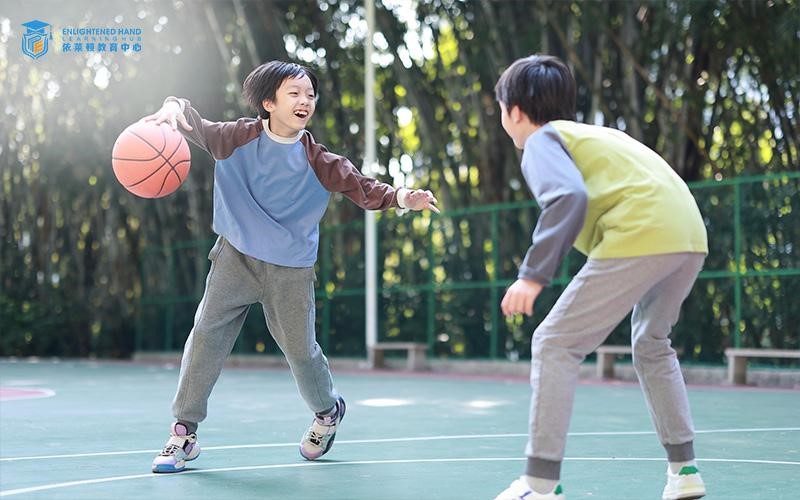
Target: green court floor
84,430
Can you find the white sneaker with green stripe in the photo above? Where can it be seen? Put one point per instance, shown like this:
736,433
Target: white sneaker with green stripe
520,490
685,485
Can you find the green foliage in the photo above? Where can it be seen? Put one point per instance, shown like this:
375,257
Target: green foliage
711,85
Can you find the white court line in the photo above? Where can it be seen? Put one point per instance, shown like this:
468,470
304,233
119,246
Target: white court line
84,482
390,440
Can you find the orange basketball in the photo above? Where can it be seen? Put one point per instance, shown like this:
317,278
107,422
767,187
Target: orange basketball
150,160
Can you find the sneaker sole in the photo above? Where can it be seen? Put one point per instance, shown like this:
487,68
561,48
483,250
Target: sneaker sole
690,495
171,469
166,469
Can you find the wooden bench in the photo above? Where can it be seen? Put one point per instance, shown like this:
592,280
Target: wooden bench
416,354
606,355
737,360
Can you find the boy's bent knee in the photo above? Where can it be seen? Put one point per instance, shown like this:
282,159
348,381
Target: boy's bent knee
303,354
651,349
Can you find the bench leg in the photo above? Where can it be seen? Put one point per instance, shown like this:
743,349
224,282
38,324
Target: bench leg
376,358
605,365
737,370
416,359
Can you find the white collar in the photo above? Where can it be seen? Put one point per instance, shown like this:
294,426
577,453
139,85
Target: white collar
277,138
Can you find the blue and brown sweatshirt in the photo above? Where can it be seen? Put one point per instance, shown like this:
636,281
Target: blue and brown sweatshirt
270,192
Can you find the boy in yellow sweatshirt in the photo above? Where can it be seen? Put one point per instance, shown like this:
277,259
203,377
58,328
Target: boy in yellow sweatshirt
622,205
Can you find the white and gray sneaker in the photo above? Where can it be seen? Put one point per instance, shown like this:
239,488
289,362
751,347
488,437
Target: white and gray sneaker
685,485
318,439
181,447
520,490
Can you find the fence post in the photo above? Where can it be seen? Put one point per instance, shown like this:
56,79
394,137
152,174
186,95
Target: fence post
494,293
430,324
326,300
737,251
139,333
169,312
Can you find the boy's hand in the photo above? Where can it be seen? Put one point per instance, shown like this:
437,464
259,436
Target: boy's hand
520,297
420,200
170,113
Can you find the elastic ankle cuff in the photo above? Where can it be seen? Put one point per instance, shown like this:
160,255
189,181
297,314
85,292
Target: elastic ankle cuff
680,452
330,412
190,426
545,469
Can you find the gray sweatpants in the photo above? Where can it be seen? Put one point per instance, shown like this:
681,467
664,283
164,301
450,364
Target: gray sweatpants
234,282
597,299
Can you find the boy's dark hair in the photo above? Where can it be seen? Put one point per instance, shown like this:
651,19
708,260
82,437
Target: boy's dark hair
263,82
542,86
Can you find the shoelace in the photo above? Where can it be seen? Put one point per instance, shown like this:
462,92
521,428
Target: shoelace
315,438
175,444
170,450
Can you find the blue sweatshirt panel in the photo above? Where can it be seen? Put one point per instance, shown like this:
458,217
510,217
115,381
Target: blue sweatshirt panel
268,202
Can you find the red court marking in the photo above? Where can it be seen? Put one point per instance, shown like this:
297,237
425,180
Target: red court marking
12,393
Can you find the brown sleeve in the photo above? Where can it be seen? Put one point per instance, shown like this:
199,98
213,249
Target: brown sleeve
219,139
338,175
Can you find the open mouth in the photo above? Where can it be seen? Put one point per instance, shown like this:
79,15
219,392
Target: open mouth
301,113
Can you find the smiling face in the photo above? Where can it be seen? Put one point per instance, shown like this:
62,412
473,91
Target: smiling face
294,104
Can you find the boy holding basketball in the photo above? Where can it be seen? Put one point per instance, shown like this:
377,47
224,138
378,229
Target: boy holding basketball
622,205
272,183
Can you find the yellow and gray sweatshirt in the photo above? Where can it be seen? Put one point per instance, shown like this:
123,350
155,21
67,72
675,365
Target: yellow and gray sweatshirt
607,195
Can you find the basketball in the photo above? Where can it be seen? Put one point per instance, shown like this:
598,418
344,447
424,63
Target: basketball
149,160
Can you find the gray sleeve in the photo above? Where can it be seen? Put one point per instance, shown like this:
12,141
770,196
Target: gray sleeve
558,187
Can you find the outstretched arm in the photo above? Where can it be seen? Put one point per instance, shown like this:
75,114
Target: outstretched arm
338,175
217,138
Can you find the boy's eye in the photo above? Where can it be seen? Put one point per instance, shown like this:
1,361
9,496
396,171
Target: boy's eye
292,93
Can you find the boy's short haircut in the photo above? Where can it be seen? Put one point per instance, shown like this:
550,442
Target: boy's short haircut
263,82
542,86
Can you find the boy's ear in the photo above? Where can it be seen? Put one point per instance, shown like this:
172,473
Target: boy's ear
268,105
516,114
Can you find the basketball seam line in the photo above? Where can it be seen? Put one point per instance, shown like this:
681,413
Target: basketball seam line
158,152
166,160
161,154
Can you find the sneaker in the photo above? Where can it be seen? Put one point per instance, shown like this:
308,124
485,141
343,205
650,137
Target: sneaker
318,439
685,485
180,448
520,490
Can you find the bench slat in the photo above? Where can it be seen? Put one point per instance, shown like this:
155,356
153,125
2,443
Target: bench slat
388,346
416,352
762,353
737,360
615,349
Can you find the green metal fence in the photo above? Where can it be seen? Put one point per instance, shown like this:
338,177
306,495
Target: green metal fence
442,278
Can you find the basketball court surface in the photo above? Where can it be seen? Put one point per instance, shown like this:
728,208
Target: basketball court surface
85,430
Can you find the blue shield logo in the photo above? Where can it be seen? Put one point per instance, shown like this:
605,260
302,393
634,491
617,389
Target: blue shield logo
35,41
